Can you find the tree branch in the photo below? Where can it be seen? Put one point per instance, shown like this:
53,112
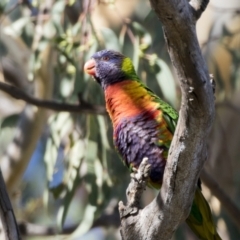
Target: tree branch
188,150
53,105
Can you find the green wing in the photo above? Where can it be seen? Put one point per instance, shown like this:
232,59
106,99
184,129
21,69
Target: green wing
169,113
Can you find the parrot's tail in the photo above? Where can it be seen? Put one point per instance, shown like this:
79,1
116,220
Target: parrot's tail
200,219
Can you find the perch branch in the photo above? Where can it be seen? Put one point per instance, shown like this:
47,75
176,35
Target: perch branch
134,192
135,189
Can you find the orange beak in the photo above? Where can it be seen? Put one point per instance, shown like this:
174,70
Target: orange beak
90,67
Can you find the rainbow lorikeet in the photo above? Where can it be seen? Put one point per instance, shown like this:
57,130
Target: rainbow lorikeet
143,126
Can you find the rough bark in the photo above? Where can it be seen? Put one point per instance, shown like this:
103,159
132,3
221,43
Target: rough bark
188,151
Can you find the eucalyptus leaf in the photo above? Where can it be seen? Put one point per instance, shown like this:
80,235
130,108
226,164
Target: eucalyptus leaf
16,28
166,82
86,223
145,39
110,39
49,30
56,184
91,155
57,10
62,213
103,131
7,130
66,86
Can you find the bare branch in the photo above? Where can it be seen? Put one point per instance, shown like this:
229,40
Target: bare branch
134,191
53,105
137,185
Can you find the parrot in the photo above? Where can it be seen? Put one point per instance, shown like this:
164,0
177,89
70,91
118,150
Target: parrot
143,127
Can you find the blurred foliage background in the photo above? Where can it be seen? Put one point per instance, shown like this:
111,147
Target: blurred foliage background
62,173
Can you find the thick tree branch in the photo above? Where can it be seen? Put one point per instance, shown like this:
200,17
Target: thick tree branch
50,104
188,150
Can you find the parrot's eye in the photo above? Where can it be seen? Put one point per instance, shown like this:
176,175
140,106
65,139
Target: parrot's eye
105,58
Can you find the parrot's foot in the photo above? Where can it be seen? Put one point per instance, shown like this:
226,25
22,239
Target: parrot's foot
135,189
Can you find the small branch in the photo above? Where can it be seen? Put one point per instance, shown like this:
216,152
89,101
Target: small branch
198,7
53,105
138,183
226,201
134,192
6,213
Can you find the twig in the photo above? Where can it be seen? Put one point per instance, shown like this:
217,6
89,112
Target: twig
134,192
53,105
138,184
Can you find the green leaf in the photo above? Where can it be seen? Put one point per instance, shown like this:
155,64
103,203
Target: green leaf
16,28
50,157
166,82
86,223
226,31
62,212
66,86
88,55
77,153
110,39
145,37
136,53
91,155
103,131
7,130
9,121
49,30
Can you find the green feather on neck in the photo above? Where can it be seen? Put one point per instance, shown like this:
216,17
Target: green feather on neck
128,68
